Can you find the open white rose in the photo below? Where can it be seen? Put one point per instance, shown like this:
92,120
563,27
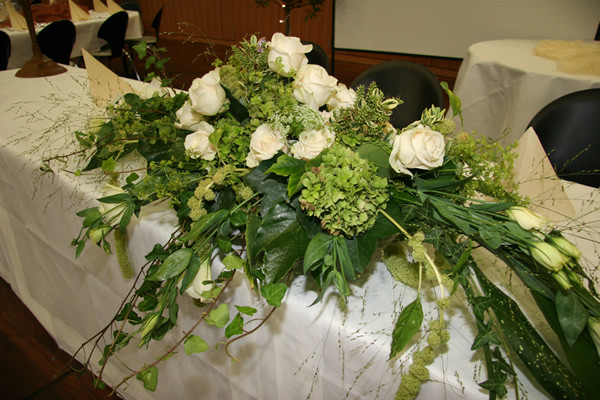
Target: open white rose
196,289
311,143
264,144
197,144
153,87
187,118
343,98
206,94
287,54
313,86
419,147
112,212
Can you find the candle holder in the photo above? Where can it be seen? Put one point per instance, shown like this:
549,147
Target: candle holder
39,65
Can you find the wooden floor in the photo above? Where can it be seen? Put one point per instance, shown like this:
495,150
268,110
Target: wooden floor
32,366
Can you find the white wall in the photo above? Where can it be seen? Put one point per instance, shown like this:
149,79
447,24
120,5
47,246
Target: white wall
446,28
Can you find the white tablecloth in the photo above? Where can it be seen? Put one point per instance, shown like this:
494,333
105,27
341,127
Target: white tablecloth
319,352
503,84
86,38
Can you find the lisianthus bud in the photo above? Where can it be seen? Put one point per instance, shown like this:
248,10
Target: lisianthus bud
150,324
594,328
566,247
96,235
528,220
198,287
562,279
548,256
112,212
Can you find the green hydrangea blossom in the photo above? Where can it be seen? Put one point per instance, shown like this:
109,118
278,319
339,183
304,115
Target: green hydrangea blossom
344,192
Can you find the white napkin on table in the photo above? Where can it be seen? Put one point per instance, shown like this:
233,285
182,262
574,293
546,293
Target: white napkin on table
99,7
77,13
105,85
113,7
17,21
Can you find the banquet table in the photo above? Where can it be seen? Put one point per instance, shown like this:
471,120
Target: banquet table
502,85
318,352
86,38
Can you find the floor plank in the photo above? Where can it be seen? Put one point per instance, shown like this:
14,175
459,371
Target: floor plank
33,367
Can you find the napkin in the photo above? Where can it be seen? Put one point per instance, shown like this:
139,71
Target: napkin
105,85
77,13
574,56
99,6
17,21
113,7
538,181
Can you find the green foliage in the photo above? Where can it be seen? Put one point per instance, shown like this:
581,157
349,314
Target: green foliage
194,344
407,325
149,377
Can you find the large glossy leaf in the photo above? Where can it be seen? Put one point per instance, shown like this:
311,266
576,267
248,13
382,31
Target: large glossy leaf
317,249
283,252
204,224
276,221
571,315
173,265
377,156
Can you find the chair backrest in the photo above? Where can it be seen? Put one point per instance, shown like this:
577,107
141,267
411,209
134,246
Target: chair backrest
569,130
413,83
317,55
56,40
131,5
156,21
113,31
4,50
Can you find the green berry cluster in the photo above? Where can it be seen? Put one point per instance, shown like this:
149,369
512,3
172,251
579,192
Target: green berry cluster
344,192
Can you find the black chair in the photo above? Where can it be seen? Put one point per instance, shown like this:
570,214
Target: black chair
413,83
317,56
131,5
113,32
56,40
4,50
150,40
569,130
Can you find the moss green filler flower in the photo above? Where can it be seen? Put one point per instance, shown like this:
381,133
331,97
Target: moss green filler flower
344,192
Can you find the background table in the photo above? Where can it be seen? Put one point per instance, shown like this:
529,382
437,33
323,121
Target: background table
502,85
86,38
321,352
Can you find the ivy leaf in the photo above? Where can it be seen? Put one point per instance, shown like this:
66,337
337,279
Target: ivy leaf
235,327
219,316
194,344
246,310
286,166
408,323
316,250
149,377
173,265
283,252
379,157
273,293
484,336
571,314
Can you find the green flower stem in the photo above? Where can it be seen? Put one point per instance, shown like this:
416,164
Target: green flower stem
122,256
435,269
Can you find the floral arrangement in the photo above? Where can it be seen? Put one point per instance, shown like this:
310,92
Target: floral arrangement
280,170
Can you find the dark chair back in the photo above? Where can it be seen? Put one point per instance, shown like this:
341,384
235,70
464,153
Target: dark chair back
156,21
413,83
113,31
131,5
56,40
569,130
317,56
4,50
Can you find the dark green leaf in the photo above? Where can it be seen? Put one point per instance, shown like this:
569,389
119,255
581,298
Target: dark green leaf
287,165
235,327
239,112
571,314
317,249
485,336
490,235
190,274
408,323
238,218
204,224
377,156
282,252
116,198
173,265
276,221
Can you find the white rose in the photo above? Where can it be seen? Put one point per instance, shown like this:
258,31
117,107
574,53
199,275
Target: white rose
206,94
419,147
196,289
264,144
287,54
343,98
313,86
187,118
152,88
311,143
197,144
112,212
